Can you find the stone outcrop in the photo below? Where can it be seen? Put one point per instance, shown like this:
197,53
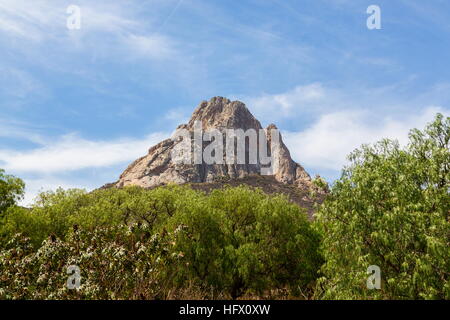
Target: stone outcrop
158,168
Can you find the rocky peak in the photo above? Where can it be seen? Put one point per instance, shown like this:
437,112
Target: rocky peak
158,167
220,113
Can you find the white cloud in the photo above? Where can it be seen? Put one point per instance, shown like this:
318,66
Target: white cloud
285,104
33,187
20,130
107,18
71,153
70,161
44,19
177,116
19,84
105,26
28,20
151,46
327,142
340,120
317,99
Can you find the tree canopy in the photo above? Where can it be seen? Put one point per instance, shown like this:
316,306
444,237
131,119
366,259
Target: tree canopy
11,191
390,208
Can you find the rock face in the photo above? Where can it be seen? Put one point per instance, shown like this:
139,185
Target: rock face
158,167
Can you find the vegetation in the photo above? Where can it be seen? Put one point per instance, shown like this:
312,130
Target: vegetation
390,208
11,191
160,243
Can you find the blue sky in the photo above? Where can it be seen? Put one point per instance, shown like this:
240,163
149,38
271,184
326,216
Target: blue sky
77,106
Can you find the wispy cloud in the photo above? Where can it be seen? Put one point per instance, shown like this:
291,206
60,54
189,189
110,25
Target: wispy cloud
317,99
20,18
327,142
21,130
18,84
69,161
72,153
34,186
327,123
44,21
151,46
301,98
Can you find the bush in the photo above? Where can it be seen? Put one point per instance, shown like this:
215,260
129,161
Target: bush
11,191
134,243
55,212
243,241
114,262
391,208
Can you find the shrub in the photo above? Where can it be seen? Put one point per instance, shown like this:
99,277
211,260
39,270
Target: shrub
391,208
115,263
134,243
242,241
55,212
11,191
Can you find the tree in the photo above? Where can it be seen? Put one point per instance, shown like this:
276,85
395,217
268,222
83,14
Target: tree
391,208
240,241
11,191
167,242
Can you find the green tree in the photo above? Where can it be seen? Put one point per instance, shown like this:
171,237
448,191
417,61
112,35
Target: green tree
242,241
391,208
11,191
117,262
56,212
167,242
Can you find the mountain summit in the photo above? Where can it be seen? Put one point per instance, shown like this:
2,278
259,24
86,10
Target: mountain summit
158,168
219,116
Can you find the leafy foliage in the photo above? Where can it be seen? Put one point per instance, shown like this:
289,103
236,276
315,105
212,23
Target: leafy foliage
11,191
55,212
115,262
239,240
135,243
391,208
